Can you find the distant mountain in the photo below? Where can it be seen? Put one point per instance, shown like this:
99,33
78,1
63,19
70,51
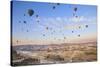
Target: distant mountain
45,47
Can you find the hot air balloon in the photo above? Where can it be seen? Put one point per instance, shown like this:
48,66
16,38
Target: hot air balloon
37,16
64,37
27,30
54,31
79,35
25,22
43,34
76,16
72,31
19,21
38,21
24,14
17,41
30,12
75,9
79,27
54,7
47,28
86,26
58,3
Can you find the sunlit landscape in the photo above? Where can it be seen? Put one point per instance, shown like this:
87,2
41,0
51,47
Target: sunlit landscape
51,33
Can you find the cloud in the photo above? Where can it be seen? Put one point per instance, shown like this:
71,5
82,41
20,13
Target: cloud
78,19
68,22
70,19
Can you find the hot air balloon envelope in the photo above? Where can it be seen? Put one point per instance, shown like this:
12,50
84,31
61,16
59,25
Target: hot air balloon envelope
30,12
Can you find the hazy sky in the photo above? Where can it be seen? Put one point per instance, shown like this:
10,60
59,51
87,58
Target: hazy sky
55,25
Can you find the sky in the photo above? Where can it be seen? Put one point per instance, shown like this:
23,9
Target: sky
55,24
